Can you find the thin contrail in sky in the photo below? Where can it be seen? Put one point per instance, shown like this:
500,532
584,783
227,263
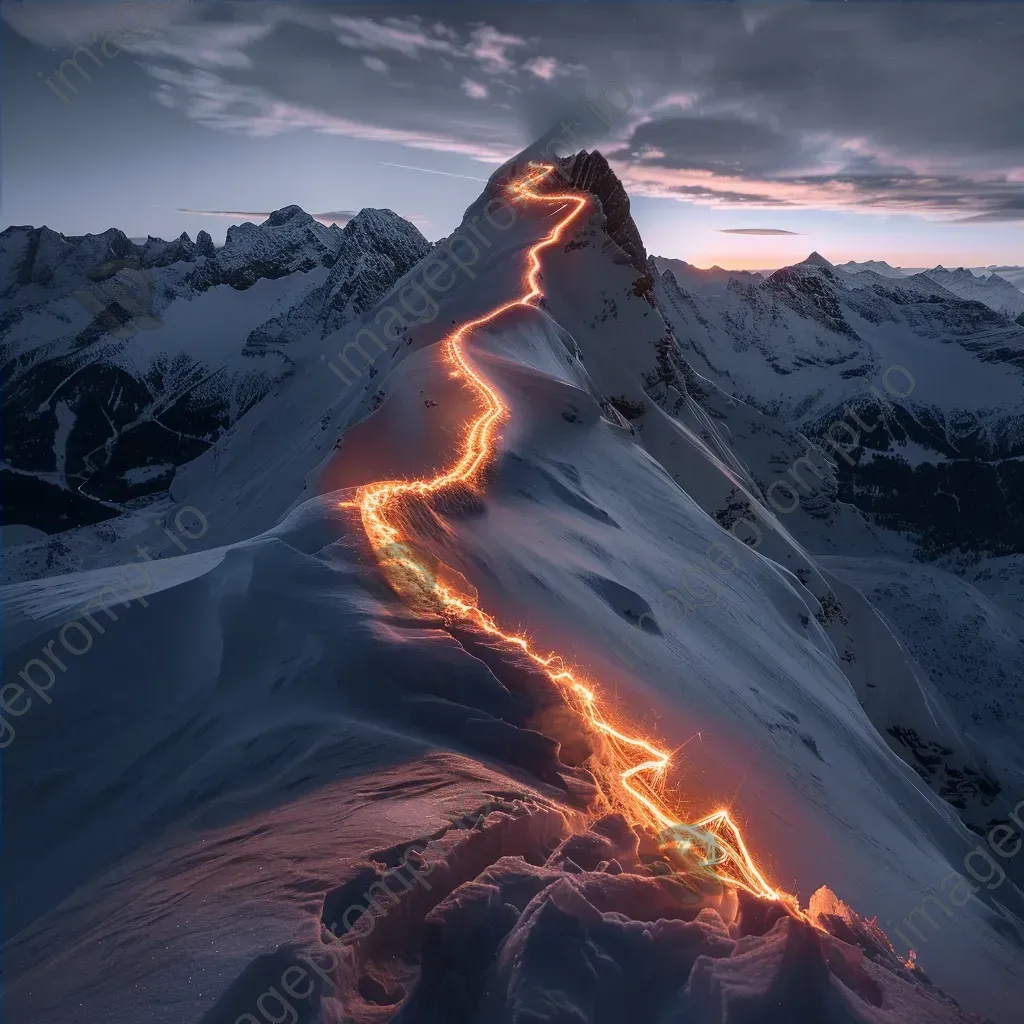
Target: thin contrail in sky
429,170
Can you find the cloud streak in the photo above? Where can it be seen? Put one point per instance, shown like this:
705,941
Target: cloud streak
756,231
339,217
431,170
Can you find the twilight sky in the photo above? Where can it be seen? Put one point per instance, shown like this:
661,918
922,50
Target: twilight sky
747,134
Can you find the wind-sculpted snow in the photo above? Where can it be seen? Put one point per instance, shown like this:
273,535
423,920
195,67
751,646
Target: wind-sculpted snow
498,919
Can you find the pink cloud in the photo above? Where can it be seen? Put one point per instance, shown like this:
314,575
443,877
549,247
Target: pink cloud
474,90
488,46
542,67
407,36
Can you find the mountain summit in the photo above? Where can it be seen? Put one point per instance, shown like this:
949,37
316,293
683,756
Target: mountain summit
816,260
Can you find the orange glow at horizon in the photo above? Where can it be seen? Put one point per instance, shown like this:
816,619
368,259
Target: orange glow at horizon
631,769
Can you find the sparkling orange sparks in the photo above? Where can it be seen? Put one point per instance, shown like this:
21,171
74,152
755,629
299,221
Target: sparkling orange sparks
632,769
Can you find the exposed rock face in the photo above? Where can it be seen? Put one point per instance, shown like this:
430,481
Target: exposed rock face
591,173
808,288
375,249
288,240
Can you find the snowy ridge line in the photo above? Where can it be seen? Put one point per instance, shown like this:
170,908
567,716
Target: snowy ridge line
103,601
632,767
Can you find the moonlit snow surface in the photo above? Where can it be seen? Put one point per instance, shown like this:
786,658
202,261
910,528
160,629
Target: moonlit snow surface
220,760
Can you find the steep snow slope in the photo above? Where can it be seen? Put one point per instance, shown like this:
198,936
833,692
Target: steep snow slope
972,647
901,445
116,373
294,714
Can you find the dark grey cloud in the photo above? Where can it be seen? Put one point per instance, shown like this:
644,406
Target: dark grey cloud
703,193
721,143
756,231
903,107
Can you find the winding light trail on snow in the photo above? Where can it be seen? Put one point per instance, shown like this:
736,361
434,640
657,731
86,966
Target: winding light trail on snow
636,768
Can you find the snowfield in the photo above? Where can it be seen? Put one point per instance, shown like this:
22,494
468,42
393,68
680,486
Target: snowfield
208,800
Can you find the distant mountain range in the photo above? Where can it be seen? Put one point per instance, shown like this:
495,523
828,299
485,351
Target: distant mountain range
710,281
998,292
122,361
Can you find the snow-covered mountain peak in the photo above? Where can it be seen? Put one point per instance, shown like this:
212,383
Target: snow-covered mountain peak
385,227
375,249
816,260
592,173
288,240
879,267
286,214
158,253
158,335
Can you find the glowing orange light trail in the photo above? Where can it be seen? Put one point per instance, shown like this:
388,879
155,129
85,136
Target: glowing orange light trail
713,844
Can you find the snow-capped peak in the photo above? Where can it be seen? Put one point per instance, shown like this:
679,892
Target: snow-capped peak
816,260
879,267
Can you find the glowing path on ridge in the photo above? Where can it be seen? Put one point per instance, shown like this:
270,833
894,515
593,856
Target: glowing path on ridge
631,780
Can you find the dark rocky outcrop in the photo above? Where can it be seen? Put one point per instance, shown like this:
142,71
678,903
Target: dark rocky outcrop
591,173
